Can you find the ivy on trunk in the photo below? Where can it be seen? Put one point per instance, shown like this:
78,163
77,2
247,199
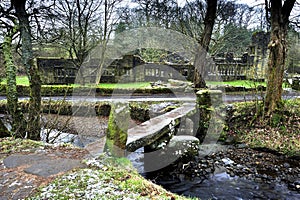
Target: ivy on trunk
33,125
18,129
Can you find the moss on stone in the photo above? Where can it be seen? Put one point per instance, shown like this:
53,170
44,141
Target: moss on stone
118,124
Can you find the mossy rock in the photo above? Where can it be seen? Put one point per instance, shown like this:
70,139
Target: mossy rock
118,124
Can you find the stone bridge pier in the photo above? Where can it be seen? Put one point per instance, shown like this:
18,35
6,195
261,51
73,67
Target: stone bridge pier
168,137
211,113
181,137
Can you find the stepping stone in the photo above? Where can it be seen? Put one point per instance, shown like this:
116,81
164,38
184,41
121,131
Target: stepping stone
17,160
51,167
42,165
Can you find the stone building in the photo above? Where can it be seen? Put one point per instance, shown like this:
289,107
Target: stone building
259,51
57,70
131,68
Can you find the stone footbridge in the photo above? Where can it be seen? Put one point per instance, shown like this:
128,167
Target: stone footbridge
152,130
164,141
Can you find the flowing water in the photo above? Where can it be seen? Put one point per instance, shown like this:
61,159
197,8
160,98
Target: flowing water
223,186
218,185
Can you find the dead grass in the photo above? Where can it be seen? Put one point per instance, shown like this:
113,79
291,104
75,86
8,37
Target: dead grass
280,132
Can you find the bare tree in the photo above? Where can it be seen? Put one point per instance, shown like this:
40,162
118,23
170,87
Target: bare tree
20,13
73,26
79,26
9,25
233,32
200,61
280,13
190,19
33,125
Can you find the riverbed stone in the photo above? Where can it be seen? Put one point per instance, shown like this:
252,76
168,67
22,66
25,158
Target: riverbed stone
185,144
186,127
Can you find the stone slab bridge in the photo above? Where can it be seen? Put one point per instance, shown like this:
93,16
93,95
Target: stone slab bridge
165,138
162,140
160,132
159,128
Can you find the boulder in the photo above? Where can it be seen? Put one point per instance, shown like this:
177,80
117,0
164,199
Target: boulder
184,145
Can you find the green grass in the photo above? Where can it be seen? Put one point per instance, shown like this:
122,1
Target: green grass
237,83
104,178
21,80
279,132
12,145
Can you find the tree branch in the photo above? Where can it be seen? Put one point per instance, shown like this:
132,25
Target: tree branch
287,9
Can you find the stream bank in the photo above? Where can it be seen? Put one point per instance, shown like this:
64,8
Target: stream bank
233,173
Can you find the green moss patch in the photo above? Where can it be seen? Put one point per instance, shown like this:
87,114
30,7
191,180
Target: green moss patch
12,145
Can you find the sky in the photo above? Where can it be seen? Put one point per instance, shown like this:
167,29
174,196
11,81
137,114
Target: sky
250,2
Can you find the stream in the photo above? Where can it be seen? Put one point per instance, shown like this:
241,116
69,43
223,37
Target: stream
217,180
223,186
221,172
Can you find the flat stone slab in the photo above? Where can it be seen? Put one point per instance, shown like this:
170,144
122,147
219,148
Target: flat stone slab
53,166
41,165
147,132
17,160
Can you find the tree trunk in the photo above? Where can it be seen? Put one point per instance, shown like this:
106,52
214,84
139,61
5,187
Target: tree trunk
278,50
275,70
200,64
33,124
200,61
17,123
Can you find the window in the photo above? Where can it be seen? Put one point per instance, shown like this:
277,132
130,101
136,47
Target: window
157,72
185,72
148,72
153,72
127,72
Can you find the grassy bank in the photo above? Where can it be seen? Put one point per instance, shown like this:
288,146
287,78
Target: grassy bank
279,132
123,88
237,83
103,177
23,80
